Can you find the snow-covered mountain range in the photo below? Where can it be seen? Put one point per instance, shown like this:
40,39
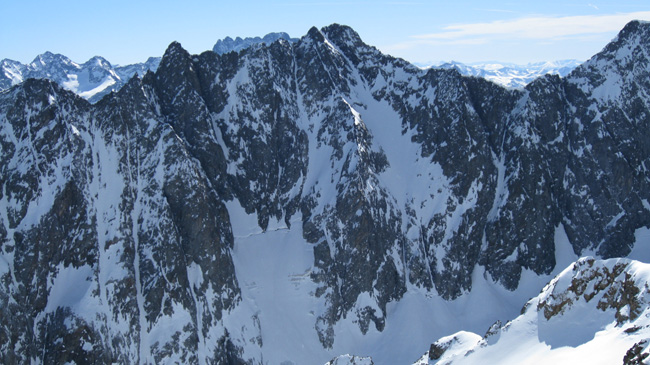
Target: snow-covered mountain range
508,74
298,201
91,80
96,77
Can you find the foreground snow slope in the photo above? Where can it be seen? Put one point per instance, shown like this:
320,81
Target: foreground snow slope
595,311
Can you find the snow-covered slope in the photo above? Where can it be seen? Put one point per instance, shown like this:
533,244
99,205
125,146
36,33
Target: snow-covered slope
350,360
595,312
508,74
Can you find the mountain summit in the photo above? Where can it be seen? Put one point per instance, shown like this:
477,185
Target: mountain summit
296,201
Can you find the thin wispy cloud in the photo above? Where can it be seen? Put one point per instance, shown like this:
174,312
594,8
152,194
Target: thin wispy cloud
497,10
536,27
324,3
404,3
434,42
349,3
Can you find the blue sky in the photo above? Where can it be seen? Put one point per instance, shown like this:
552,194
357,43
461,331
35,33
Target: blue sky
420,31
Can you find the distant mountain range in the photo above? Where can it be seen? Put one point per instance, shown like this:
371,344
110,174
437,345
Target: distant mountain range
90,80
238,44
512,75
98,77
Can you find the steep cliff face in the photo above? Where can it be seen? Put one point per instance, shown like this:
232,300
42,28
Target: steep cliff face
118,217
113,238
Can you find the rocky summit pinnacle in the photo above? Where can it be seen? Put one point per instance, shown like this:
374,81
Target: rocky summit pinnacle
342,34
238,44
298,201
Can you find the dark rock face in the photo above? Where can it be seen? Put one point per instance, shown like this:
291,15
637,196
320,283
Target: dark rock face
614,287
637,355
401,177
130,220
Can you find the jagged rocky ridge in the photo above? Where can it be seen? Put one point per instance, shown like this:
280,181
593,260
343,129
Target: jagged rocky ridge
117,241
238,44
96,78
